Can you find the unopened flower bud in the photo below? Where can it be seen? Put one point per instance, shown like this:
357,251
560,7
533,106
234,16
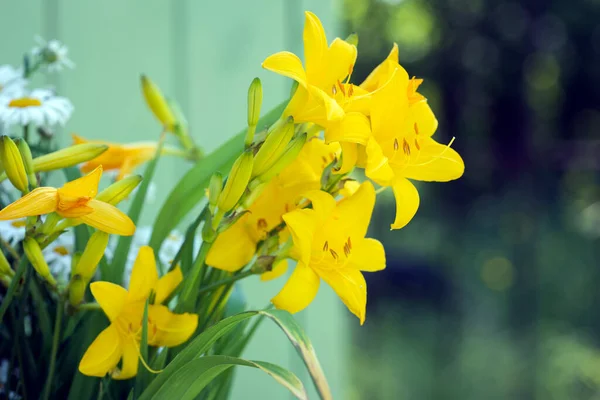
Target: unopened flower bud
27,161
290,154
5,268
36,258
352,39
275,144
214,190
86,266
120,190
157,103
236,182
255,96
13,164
68,157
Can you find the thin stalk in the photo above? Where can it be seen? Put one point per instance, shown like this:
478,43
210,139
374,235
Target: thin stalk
55,342
229,280
89,307
188,295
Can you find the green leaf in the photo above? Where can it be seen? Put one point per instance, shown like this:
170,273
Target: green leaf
189,380
195,349
190,188
300,340
12,288
135,210
142,376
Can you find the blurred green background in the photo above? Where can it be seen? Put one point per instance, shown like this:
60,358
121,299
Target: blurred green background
491,292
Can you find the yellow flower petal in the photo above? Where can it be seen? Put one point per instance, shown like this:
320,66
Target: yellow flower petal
170,329
39,201
72,210
350,187
323,203
144,275
315,44
378,167
422,119
86,186
111,298
109,219
130,363
349,155
382,73
279,269
407,202
354,128
341,57
367,255
167,284
436,162
299,291
353,214
349,284
233,248
302,225
389,105
286,64
103,354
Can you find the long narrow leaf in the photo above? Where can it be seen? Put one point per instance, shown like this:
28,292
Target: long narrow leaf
12,288
300,340
190,188
142,376
195,349
194,376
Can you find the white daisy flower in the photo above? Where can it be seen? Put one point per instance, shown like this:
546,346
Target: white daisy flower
13,231
39,107
59,254
11,80
53,54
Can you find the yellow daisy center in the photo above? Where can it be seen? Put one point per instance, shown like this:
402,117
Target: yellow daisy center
62,250
24,102
18,224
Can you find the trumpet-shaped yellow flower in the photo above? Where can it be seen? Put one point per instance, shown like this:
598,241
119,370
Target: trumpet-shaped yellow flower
235,247
330,244
76,199
401,147
125,309
123,158
321,92
324,96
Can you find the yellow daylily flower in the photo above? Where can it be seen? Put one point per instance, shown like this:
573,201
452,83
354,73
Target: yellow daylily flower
119,157
76,199
235,247
322,95
401,145
125,309
330,244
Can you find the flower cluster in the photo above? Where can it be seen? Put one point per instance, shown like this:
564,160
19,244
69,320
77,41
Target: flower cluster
383,126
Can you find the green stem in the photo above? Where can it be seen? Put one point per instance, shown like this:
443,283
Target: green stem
26,133
188,295
55,342
231,279
10,293
89,307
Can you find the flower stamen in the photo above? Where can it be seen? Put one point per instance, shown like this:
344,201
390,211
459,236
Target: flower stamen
333,254
326,246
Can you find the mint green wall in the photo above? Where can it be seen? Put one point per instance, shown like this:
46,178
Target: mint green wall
203,53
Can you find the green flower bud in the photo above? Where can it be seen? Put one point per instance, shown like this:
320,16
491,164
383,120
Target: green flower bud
86,266
274,145
255,96
68,157
214,190
157,103
120,190
236,182
291,153
13,164
5,268
27,161
36,258
352,39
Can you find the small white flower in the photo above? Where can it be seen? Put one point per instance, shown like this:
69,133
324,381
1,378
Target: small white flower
12,231
11,80
39,107
59,254
53,54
